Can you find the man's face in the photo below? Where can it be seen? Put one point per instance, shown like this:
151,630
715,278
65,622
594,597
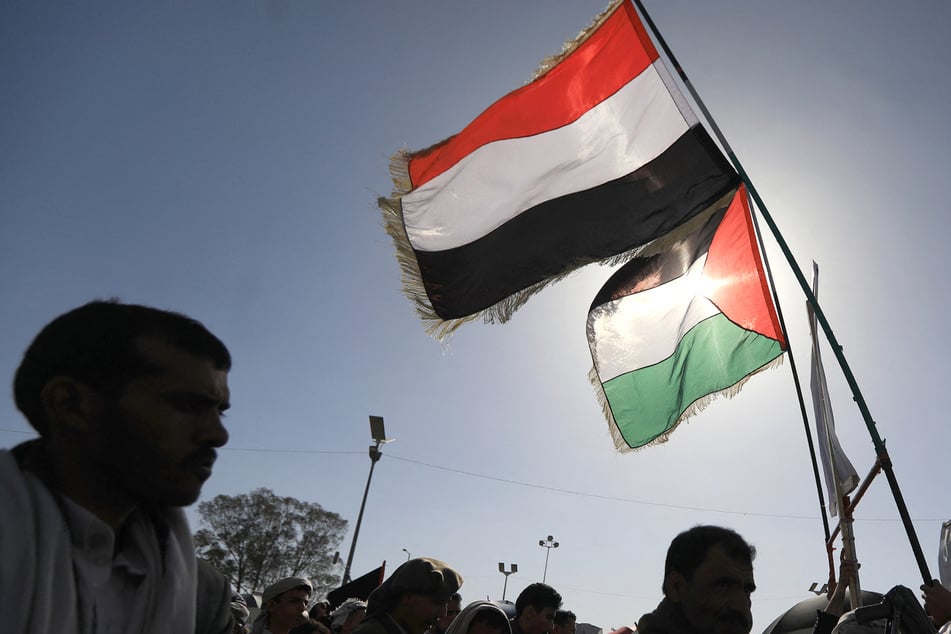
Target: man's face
418,612
157,439
568,627
535,621
288,610
453,608
717,599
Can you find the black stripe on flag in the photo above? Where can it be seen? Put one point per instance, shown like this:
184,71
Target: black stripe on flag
645,273
567,232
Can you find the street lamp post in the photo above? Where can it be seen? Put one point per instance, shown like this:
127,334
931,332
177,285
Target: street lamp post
513,568
408,555
547,544
379,438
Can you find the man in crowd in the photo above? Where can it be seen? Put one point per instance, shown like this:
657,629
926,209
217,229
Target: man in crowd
283,606
937,594
708,580
347,616
453,608
535,609
320,613
412,599
565,622
127,401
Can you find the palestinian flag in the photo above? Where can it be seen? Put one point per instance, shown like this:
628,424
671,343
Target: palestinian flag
598,155
673,329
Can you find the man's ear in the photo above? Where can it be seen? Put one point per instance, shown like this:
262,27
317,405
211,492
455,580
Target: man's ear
70,404
674,586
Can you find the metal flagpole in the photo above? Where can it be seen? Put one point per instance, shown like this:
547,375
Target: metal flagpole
880,450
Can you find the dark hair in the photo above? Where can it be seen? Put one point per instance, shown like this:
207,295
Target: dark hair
688,549
95,344
455,596
563,616
494,618
539,596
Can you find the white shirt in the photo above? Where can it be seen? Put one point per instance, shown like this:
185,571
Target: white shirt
110,581
59,562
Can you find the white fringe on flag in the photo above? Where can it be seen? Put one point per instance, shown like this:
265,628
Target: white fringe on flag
392,210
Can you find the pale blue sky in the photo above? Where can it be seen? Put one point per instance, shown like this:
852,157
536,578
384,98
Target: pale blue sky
223,159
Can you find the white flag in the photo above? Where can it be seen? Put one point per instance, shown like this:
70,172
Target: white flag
834,460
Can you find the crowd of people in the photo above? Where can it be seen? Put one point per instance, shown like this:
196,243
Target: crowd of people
127,402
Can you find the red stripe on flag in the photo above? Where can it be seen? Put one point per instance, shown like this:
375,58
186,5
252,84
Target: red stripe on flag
735,272
617,52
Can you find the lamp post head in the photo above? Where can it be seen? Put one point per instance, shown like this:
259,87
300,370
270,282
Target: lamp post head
377,433
376,429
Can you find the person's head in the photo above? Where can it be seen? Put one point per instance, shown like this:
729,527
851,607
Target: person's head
709,574
535,608
285,603
453,608
488,620
416,594
565,622
347,616
319,610
135,394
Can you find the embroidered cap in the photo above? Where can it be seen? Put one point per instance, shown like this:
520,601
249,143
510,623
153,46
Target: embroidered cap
284,585
339,616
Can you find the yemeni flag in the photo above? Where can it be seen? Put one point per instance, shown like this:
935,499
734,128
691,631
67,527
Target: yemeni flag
673,329
597,156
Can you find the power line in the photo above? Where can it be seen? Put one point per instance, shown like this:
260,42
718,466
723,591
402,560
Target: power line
597,495
317,451
633,501
543,487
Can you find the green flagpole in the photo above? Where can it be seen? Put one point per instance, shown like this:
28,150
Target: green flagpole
880,450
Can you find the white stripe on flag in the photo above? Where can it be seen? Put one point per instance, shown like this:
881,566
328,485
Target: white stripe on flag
504,178
645,328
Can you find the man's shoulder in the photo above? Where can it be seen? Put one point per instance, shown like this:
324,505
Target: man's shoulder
34,547
24,495
10,472
213,607
665,619
379,624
